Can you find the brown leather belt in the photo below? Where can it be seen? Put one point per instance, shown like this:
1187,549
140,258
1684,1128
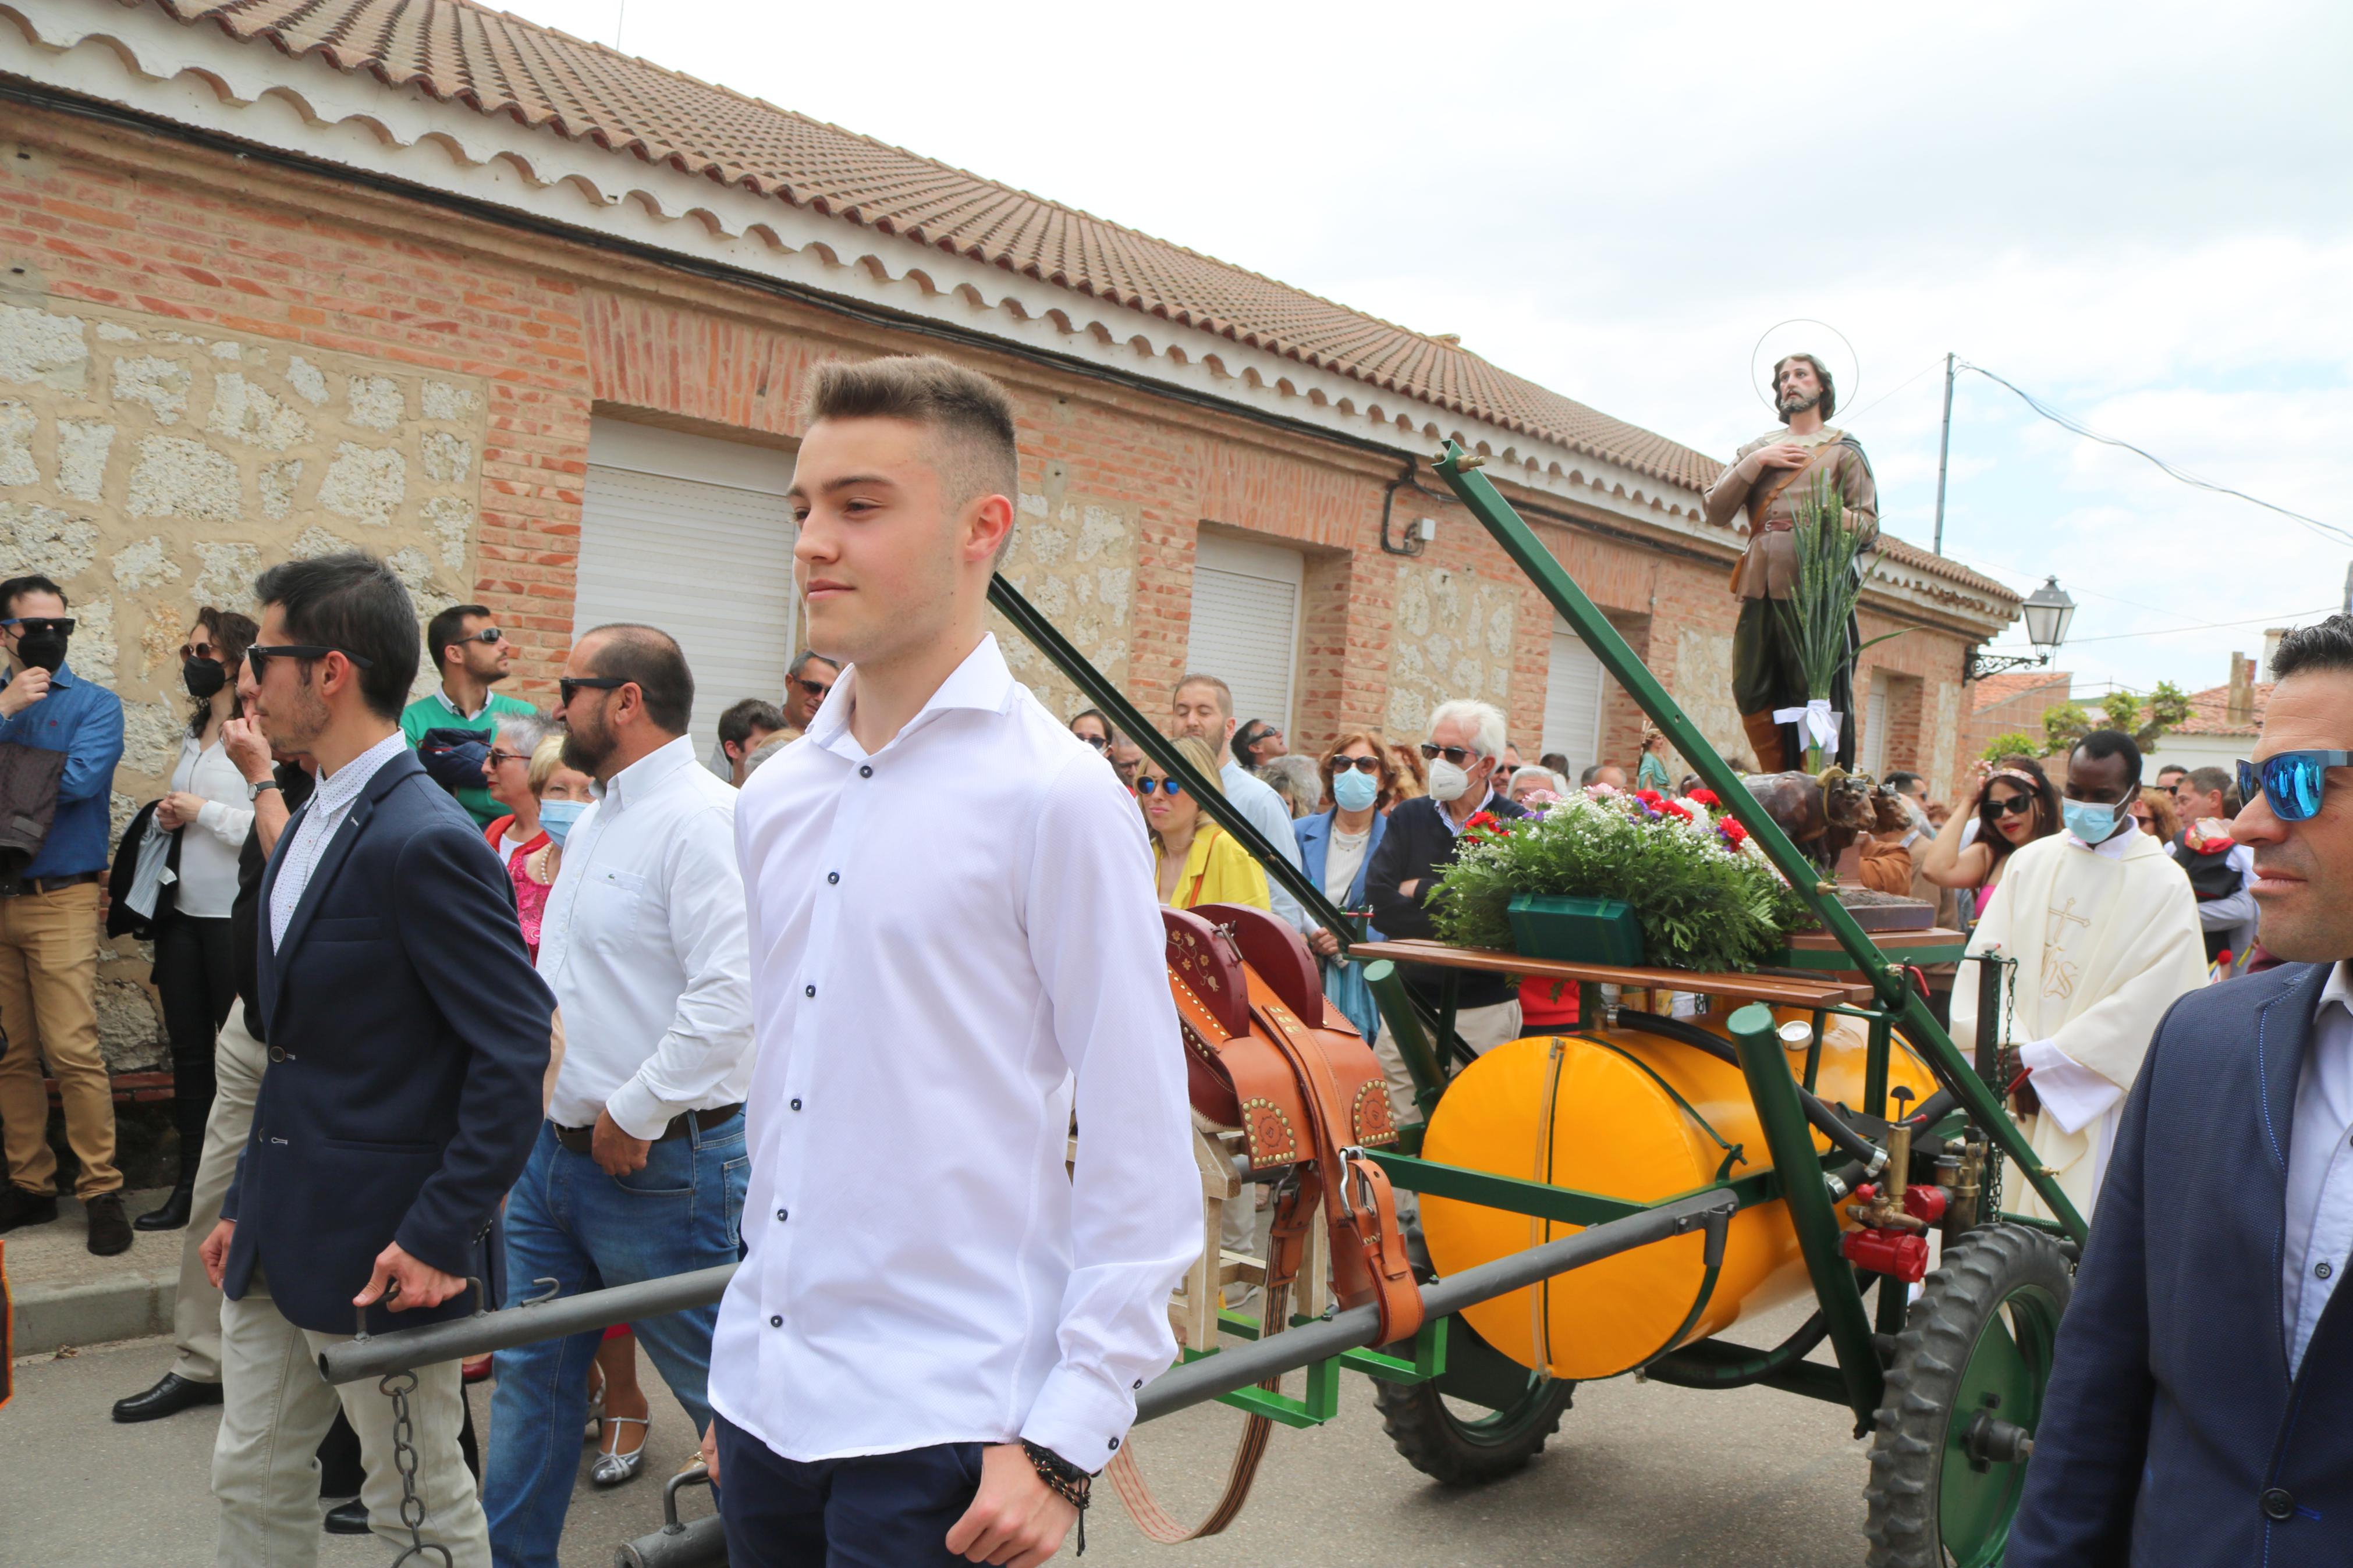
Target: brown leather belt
579,1138
20,886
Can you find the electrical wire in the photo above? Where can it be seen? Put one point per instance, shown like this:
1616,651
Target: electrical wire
2328,531
1892,391
2271,620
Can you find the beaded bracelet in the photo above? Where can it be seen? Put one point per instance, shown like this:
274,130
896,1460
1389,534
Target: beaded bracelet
1065,1481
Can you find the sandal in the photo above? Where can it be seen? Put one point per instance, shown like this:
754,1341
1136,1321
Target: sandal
596,1427
612,1467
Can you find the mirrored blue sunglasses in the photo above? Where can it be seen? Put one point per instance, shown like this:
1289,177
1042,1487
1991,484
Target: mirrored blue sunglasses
2291,783
1146,787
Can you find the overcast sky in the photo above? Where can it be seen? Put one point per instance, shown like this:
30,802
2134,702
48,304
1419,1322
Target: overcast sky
2142,213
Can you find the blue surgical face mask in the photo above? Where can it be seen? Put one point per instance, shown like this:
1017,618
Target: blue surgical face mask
556,818
2091,823
1355,790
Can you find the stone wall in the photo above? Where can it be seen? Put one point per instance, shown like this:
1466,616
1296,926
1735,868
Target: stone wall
1452,638
150,469
1074,559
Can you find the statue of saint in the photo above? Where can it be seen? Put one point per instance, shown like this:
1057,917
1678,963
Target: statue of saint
1766,479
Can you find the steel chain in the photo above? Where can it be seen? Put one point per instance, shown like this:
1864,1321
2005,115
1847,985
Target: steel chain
397,1387
1990,1182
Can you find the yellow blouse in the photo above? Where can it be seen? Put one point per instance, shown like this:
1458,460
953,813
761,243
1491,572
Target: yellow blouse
1218,870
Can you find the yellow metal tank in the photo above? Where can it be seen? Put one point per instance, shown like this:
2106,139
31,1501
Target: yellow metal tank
1632,1116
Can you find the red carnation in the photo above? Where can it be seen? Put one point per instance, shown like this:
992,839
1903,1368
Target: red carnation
1703,797
1650,799
1734,834
1480,819
1677,807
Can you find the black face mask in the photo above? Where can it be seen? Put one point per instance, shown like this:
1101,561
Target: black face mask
44,651
203,675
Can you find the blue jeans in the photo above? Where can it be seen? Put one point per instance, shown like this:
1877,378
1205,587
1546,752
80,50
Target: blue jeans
567,1220
876,1510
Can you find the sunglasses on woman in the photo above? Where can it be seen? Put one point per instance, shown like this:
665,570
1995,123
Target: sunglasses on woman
1097,741
2291,783
2015,805
1173,786
1361,764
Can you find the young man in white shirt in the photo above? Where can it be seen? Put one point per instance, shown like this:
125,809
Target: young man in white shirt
639,1169
937,1334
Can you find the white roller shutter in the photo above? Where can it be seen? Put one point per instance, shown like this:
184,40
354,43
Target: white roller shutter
1574,688
1245,628
693,535
1873,755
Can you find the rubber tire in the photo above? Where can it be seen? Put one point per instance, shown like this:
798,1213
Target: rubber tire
1439,1444
1910,1428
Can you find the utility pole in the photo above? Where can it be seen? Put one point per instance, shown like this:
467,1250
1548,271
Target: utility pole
1944,449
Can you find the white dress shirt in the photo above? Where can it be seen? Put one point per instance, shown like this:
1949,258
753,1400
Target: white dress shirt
209,846
1256,800
2320,1242
643,943
322,816
945,933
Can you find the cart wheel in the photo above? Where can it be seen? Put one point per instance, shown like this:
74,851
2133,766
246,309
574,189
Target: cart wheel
1485,1418
1947,1452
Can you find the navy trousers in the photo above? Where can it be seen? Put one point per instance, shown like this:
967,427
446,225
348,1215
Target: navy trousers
878,1510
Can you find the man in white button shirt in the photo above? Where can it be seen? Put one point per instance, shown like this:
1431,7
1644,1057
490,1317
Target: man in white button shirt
1203,707
2196,1416
937,1334
639,1169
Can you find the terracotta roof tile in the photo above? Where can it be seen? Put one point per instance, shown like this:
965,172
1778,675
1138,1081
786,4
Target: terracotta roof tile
497,63
1995,689
2211,712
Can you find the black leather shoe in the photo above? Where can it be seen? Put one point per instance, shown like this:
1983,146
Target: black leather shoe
171,1394
172,1214
110,1230
346,1518
22,1205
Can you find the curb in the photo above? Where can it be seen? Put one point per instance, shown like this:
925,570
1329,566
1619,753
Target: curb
128,1306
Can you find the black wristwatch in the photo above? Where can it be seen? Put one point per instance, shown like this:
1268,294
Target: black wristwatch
253,791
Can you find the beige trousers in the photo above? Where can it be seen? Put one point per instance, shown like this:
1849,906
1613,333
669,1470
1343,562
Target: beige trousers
48,1007
275,1408
238,1061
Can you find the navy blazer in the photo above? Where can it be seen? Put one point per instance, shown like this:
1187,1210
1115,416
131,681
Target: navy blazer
1419,847
408,1039
1314,837
2172,1434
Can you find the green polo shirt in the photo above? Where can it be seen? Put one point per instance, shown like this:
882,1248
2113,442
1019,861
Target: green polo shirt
436,711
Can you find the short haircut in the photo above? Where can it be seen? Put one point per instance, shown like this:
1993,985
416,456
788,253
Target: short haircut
30,583
737,723
546,758
2111,744
2216,781
354,603
1900,782
1225,693
523,732
1557,761
1252,732
650,659
977,452
447,627
1592,774
803,663
1484,721
2174,768
2324,644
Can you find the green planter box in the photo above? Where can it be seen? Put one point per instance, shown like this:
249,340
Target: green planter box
1576,931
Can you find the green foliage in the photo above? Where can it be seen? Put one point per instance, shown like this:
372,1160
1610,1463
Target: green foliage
2017,743
1823,593
1704,900
2167,706
2064,725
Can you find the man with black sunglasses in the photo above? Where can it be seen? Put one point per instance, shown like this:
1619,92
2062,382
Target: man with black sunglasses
472,654
48,919
2193,1412
806,685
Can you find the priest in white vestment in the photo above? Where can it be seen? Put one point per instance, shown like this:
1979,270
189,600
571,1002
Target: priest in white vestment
2104,929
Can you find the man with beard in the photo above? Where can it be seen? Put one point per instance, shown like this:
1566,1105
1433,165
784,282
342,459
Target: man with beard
1204,709
2189,1419
408,1038
48,917
639,1168
472,654
1769,480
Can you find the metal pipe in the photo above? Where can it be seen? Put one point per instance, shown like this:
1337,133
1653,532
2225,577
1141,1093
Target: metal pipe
1944,449
379,1355
701,1545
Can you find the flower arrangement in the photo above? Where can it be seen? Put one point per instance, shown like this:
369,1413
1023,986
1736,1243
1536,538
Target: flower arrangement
1704,896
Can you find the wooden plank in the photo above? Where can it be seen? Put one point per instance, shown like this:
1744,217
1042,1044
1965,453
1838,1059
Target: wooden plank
1775,990
1886,940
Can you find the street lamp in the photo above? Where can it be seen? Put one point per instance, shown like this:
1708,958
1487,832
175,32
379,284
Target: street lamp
2048,612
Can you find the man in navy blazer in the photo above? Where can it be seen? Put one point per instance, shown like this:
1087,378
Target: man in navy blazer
409,1041
2197,1411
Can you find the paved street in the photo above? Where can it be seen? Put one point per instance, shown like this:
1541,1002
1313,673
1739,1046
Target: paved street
1641,1477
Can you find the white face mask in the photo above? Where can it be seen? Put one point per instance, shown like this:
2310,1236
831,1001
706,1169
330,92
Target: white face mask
1447,782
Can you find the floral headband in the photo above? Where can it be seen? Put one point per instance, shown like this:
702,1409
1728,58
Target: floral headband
2017,777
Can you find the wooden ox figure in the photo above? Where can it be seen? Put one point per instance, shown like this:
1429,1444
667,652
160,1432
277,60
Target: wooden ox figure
1824,814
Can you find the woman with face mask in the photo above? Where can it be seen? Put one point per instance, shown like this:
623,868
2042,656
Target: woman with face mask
210,807
1335,848
558,795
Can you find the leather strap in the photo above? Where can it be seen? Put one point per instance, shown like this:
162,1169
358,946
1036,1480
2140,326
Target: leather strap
1758,505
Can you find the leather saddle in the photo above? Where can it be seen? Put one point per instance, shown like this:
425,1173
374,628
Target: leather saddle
1263,1053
